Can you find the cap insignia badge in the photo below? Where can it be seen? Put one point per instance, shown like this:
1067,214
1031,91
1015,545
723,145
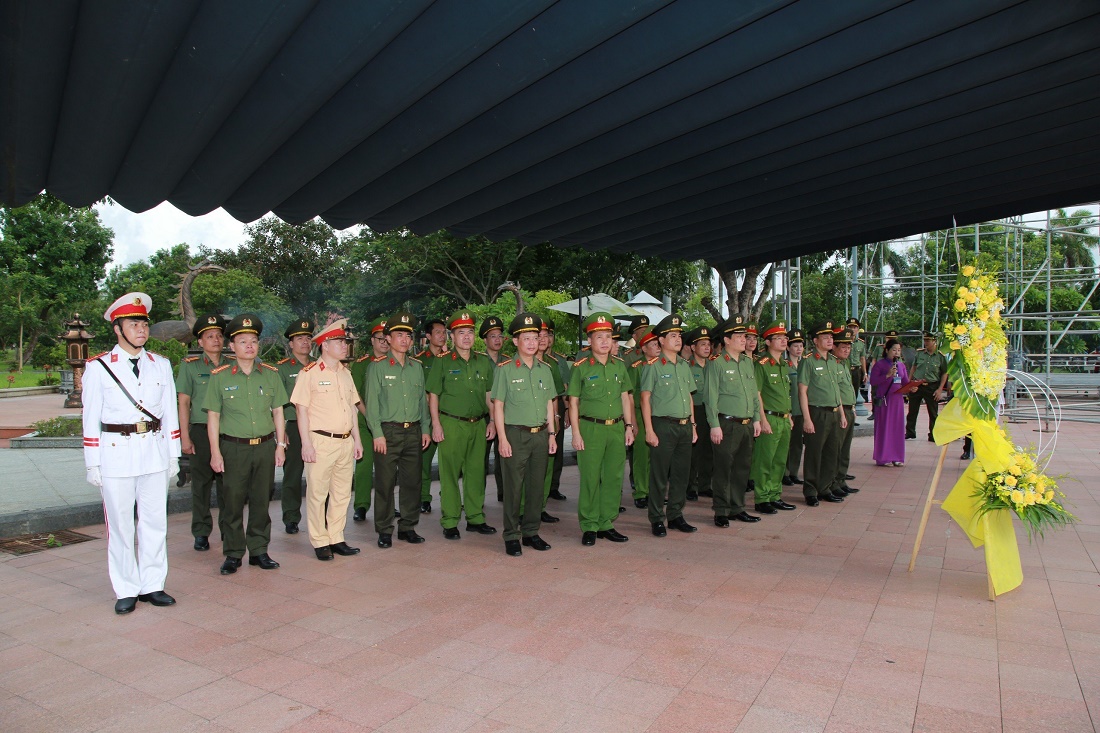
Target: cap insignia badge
247,322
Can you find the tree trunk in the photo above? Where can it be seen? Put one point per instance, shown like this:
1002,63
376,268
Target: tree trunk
746,300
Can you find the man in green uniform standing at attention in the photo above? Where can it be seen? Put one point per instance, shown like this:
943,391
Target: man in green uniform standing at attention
639,453
397,416
822,419
702,455
560,362
669,419
857,360
458,401
244,411
769,451
363,482
492,334
523,410
436,332
732,402
299,336
546,340
929,366
191,383
599,401
796,343
842,344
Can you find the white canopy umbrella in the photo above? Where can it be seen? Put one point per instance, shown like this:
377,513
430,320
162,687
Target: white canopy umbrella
594,303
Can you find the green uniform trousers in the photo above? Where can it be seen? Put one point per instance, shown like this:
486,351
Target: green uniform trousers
523,475
769,460
794,450
363,481
702,455
426,474
494,447
822,448
669,465
461,455
923,395
732,461
203,479
399,466
293,469
555,463
639,461
249,477
601,466
844,454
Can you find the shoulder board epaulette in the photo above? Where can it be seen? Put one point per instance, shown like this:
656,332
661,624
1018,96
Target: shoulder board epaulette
191,359
222,368
417,360
578,362
283,361
504,361
229,356
636,364
362,359
92,358
309,366
651,361
265,365
379,358
764,360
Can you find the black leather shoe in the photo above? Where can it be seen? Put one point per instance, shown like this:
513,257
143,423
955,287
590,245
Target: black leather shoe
480,528
931,439
659,529
831,498
360,515
721,521
397,513
692,496
681,524
343,548
612,534
323,553
385,541
745,517
641,503
557,495
967,455
787,481
425,507
706,492
230,565
840,493
512,548
202,543
451,533
851,490
622,509
157,598
292,528
535,542
766,508
410,536
812,501
263,560
796,481
910,436
549,519
849,477
588,539
124,606
784,506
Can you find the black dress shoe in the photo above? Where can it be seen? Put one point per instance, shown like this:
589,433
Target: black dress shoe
967,455
849,477
706,492
721,521
397,513
766,508
125,605
202,543
910,436
536,542
840,493
831,498
480,528
588,539
360,514
451,533
658,529
612,534
784,506
343,548
292,528
622,509
557,495
512,548
796,481
157,598
323,553
230,565
692,496
425,507
410,536
549,519
263,560
745,517
641,503
931,439
787,481
681,524
385,541
812,501
851,490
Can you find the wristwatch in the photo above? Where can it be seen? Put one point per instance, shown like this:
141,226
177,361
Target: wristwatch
282,445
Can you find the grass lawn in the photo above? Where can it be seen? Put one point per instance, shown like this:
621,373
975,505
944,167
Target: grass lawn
27,378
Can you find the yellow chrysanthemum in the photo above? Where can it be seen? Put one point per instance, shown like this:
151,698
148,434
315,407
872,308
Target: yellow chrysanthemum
963,291
960,329
968,270
1017,497
955,346
960,305
1049,495
1010,481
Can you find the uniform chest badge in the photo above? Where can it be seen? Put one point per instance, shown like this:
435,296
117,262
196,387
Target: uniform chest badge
324,384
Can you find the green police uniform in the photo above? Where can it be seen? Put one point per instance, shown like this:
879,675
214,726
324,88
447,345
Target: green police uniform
294,468
597,389
702,453
819,374
490,324
244,403
931,368
854,362
794,450
426,357
363,480
556,460
397,409
847,402
769,454
638,454
461,386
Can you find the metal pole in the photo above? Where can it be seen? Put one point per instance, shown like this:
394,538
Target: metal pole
855,280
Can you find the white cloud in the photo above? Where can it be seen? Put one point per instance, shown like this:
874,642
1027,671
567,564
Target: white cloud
139,235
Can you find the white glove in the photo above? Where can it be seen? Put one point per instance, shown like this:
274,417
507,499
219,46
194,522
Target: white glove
93,476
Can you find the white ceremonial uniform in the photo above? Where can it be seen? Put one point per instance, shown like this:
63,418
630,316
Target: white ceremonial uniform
135,467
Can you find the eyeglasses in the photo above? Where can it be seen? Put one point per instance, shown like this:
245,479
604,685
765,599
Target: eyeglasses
378,338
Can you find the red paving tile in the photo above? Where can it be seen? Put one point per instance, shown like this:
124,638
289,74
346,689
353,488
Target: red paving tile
807,621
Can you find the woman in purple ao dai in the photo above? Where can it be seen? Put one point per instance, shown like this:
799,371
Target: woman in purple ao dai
887,377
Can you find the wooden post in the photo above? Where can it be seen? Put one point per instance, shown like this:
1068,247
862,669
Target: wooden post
928,507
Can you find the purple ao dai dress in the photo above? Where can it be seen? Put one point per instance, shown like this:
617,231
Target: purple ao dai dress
889,417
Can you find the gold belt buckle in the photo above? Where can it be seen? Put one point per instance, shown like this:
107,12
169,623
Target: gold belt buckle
254,441
406,424
141,427
535,430
609,422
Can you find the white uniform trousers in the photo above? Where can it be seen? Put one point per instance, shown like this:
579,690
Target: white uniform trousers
141,569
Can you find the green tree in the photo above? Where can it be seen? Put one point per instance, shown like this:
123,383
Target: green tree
238,291
159,276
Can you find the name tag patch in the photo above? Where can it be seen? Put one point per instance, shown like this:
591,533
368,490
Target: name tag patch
324,384
390,376
230,388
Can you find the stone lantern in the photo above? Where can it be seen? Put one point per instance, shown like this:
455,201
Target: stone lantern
76,354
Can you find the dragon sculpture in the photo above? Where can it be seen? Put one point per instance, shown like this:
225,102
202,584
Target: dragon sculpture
181,330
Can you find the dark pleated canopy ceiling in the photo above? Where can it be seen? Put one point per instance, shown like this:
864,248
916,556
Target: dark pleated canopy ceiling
739,131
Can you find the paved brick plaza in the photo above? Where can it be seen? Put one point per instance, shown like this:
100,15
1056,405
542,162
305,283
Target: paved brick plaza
806,621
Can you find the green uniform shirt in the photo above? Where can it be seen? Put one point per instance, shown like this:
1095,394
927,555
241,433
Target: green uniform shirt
395,393
859,352
774,382
929,367
599,387
633,356
288,370
359,373
559,381
729,388
192,380
844,383
460,384
820,377
697,371
792,377
565,366
245,401
670,386
523,391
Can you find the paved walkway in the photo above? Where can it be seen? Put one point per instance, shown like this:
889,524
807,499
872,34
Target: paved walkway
806,621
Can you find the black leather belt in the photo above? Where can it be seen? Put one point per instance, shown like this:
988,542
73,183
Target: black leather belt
777,414
327,434
731,418
464,419
848,407
405,425
598,421
249,441
677,420
145,426
823,407
527,428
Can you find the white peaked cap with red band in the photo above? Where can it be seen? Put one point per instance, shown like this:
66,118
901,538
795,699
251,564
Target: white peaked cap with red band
131,305
335,330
